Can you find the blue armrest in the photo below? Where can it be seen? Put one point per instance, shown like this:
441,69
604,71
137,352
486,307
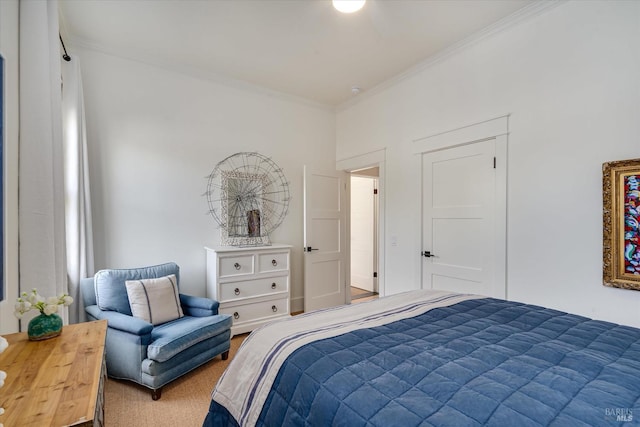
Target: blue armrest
198,306
120,321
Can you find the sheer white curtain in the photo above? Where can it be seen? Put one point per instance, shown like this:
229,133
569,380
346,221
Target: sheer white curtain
79,240
41,177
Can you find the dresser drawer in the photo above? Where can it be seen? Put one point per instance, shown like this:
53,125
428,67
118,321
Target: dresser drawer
237,265
276,261
251,288
259,310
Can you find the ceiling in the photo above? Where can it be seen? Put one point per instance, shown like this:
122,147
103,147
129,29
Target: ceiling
303,48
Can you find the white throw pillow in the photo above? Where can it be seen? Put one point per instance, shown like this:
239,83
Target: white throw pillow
155,300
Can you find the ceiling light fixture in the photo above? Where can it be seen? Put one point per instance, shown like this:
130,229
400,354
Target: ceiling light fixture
348,6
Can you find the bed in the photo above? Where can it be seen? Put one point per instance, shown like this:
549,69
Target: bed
435,359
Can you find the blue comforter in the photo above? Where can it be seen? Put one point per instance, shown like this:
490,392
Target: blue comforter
478,362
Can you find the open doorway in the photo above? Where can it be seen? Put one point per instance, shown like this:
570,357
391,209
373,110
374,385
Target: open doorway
356,165
364,242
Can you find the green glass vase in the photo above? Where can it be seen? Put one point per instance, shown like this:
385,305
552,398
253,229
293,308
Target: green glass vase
44,326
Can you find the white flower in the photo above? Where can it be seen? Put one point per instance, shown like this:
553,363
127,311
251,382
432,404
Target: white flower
3,344
34,297
49,309
22,306
34,301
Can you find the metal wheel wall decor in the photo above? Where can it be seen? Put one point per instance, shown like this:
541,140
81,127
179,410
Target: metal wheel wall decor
248,196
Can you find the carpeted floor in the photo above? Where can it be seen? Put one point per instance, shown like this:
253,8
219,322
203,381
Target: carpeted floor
184,402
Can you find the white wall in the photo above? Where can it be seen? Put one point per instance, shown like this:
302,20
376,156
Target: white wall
9,51
569,78
154,136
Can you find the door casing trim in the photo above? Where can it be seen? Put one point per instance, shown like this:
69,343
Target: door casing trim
371,159
498,130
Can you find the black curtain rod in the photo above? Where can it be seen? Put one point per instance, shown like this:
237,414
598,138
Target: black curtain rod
65,56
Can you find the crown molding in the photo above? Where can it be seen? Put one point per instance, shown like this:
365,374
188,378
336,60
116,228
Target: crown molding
522,15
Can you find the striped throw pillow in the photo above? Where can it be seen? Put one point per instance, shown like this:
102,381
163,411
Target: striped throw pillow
155,300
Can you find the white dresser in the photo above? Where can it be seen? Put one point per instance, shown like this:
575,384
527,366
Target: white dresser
251,284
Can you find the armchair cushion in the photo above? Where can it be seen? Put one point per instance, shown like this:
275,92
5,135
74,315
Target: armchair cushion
111,293
198,306
154,300
171,338
119,321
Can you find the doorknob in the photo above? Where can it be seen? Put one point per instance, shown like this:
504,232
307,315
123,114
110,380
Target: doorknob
427,254
309,249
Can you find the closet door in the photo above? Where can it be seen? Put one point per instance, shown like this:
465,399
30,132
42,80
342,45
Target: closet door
461,223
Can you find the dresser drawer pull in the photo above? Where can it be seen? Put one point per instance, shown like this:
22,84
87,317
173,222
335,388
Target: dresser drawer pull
274,308
237,266
236,291
236,315
274,262
273,286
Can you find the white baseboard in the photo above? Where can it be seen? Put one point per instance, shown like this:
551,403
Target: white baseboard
297,304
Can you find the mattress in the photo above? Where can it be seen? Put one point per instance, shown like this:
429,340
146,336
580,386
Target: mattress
433,358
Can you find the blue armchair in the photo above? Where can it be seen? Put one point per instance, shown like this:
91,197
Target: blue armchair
151,355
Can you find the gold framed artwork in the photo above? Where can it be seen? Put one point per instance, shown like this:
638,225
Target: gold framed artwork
621,224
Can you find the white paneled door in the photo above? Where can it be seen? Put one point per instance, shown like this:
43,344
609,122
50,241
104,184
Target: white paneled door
462,242
325,251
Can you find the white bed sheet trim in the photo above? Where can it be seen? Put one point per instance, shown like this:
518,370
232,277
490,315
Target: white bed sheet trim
245,385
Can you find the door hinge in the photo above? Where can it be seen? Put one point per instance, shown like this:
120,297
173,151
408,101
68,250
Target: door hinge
375,191
494,162
375,274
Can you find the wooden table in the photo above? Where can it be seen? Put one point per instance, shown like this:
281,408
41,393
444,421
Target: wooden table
55,382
